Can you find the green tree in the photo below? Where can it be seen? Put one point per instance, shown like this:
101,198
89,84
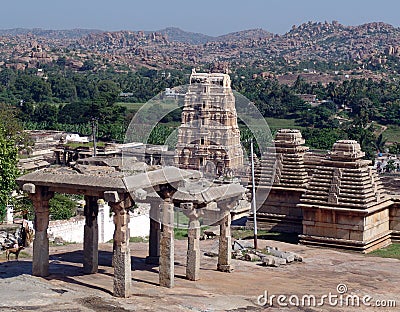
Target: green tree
390,166
62,207
108,91
10,139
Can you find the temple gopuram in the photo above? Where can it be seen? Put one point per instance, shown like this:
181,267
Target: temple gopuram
209,135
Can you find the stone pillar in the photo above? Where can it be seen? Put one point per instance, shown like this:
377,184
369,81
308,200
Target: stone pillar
103,221
120,205
193,252
225,244
166,269
57,157
91,236
64,157
40,197
155,231
10,214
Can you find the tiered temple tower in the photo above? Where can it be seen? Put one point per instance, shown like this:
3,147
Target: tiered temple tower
209,135
345,205
279,211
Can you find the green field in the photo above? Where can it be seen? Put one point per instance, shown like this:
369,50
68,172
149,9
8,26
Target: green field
277,123
392,251
74,145
131,106
392,133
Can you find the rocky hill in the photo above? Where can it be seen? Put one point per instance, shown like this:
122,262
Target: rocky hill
50,34
175,34
371,43
245,34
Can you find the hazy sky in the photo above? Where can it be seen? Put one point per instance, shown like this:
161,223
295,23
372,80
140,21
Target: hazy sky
213,17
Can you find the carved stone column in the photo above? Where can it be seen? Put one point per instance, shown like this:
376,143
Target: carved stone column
155,233
120,205
40,197
225,245
91,236
193,252
166,269
225,241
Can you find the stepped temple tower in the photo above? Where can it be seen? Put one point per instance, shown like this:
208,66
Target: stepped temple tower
345,205
279,212
209,137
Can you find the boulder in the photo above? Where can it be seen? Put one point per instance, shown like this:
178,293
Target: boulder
273,261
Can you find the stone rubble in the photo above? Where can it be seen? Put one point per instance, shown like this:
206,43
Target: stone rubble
270,256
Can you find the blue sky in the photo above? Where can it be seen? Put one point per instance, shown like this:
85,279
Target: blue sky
212,17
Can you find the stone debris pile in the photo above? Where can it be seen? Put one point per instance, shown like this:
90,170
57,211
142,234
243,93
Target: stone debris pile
13,235
270,256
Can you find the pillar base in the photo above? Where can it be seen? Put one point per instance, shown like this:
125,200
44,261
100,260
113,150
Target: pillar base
40,263
225,268
122,273
90,249
193,253
166,269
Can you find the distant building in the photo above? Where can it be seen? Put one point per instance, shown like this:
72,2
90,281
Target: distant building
209,136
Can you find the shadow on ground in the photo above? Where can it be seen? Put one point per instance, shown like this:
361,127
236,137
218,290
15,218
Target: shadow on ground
67,266
291,238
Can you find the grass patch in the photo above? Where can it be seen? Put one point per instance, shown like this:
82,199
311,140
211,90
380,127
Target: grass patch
392,133
392,251
131,106
139,239
180,233
280,123
74,145
22,255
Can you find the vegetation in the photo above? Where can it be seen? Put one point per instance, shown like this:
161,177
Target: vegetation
392,251
180,233
139,239
11,140
62,207
73,145
68,100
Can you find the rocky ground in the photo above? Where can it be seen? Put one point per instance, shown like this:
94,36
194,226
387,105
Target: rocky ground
321,271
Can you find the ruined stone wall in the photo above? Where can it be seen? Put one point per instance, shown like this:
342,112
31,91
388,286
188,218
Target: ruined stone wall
68,230
72,230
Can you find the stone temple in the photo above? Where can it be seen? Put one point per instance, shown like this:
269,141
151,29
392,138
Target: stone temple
279,212
335,200
345,204
209,136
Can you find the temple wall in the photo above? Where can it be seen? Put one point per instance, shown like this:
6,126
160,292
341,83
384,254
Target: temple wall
346,229
279,213
394,221
376,224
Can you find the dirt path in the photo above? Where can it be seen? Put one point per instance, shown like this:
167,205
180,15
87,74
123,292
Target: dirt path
67,289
